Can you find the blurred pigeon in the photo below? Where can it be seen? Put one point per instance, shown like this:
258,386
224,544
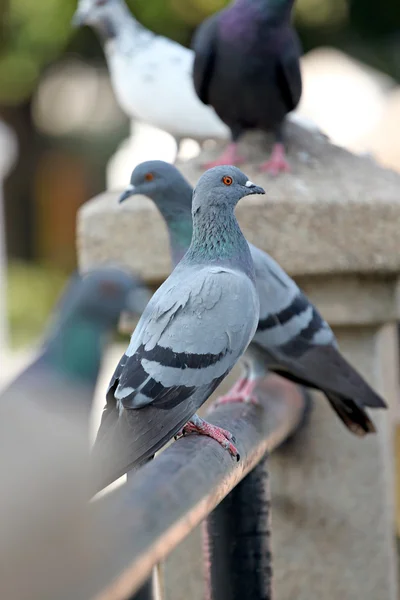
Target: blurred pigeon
247,68
63,376
151,75
292,339
44,446
191,334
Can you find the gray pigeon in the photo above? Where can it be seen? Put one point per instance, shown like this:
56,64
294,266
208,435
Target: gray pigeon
191,334
63,376
44,444
247,68
292,339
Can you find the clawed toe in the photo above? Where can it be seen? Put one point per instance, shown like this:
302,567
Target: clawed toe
220,435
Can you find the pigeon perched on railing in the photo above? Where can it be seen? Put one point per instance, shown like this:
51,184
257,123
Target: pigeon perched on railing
191,334
292,339
151,75
247,68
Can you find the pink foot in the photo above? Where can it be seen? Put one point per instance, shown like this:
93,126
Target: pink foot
230,156
277,162
242,391
201,427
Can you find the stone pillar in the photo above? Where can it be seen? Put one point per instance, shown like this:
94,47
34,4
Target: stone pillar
333,494
333,225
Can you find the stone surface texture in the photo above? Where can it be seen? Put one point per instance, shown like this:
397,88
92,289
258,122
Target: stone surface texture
335,213
333,498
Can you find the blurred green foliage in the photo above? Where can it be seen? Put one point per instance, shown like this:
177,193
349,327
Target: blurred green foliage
34,34
33,291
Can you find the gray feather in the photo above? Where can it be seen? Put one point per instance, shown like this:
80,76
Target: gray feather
196,318
191,334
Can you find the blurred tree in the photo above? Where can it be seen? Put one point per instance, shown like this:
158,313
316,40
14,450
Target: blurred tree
34,34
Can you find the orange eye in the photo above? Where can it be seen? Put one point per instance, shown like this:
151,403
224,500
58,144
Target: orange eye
149,177
227,180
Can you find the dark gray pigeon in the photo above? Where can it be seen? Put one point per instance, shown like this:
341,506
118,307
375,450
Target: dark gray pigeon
63,376
44,443
247,68
191,334
292,339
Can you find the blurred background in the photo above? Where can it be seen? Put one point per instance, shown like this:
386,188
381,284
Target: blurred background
63,137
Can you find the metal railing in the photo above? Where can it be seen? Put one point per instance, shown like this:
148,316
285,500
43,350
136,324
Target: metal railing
164,502
134,527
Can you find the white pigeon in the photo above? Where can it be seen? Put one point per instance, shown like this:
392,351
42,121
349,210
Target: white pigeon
151,74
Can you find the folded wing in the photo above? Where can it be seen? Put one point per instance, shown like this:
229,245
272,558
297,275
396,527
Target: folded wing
189,338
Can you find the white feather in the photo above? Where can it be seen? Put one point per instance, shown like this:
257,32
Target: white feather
151,75
153,82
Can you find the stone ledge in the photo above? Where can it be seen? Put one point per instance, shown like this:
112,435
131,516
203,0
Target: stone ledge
335,213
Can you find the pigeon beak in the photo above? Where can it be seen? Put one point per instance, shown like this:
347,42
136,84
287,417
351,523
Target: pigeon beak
252,188
78,19
130,191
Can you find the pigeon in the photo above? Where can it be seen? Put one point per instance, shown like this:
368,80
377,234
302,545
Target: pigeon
247,68
63,376
191,334
45,466
150,74
292,339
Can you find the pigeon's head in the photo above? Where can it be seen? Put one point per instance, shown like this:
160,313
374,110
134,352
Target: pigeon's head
105,292
159,181
94,12
224,185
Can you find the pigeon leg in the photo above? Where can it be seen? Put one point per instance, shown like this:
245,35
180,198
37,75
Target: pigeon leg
277,162
201,427
230,156
242,391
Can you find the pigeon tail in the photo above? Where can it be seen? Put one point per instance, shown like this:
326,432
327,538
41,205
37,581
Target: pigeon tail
352,414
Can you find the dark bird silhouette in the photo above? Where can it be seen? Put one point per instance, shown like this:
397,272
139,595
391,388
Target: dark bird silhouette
247,68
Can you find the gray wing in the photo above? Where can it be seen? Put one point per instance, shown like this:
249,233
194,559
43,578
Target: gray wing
297,343
194,334
205,48
190,336
288,319
127,439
